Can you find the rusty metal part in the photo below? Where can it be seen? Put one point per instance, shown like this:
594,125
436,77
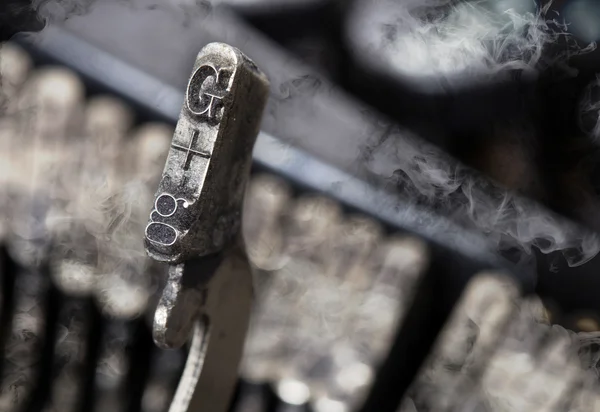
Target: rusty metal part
195,226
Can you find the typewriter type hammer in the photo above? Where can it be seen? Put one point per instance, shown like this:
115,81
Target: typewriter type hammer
195,225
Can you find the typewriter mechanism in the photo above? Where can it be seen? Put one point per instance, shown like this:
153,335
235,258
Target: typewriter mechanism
304,207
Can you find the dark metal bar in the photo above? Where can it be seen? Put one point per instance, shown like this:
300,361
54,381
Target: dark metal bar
93,346
140,354
42,390
8,272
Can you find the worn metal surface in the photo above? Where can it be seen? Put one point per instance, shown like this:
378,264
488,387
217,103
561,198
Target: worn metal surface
196,226
197,210
219,331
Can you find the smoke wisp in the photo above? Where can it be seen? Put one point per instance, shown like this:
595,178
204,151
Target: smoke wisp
462,42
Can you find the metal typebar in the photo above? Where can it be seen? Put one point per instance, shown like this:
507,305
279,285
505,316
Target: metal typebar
196,221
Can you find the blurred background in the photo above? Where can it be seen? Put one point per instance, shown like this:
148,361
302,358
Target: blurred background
422,216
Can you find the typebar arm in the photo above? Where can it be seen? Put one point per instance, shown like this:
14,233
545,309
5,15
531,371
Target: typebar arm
195,226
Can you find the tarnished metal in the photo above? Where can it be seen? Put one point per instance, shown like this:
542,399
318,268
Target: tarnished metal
195,226
197,210
218,310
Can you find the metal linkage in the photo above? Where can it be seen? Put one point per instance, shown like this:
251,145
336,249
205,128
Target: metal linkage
195,226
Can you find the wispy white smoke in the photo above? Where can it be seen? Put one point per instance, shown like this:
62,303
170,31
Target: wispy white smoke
461,42
511,222
57,11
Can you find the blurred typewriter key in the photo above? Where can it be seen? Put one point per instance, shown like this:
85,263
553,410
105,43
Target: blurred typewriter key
396,265
97,184
399,261
148,148
333,361
41,112
519,353
527,330
557,373
352,379
328,326
73,185
303,308
466,342
46,110
358,236
85,197
120,297
195,226
52,100
107,122
297,293
536,381
15,66
266,200
309,228
124,276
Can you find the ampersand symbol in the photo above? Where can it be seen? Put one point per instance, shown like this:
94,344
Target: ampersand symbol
206,90
167,213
